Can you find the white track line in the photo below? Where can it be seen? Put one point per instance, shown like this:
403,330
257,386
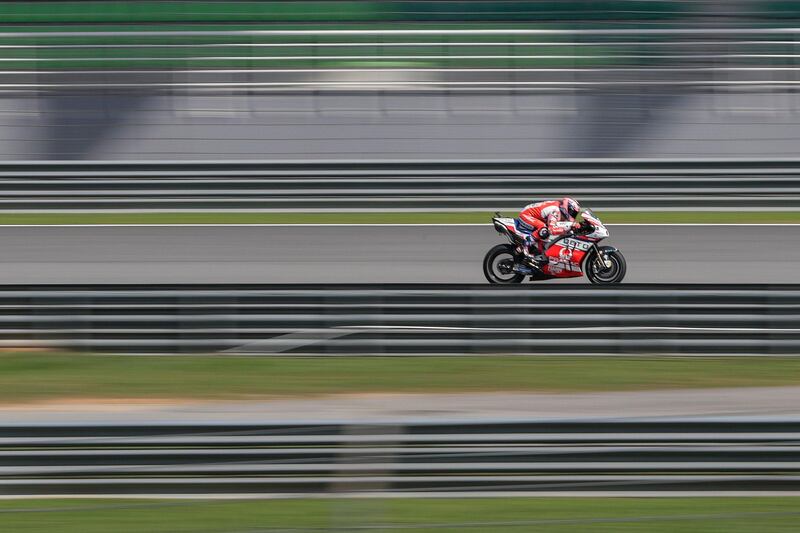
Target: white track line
588,329
419,494
289,225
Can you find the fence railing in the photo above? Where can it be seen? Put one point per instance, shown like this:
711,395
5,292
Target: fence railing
399,185
404,320
404,59
711,456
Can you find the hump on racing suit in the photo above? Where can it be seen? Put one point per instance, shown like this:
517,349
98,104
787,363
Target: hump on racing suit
547,215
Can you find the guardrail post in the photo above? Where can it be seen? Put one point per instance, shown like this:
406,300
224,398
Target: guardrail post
674,344
619,313
33,310
232,326
474,322
771,315
183,328
329,302
86,320
387,338
363,511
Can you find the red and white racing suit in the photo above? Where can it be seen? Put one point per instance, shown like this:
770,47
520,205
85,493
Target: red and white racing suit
543,215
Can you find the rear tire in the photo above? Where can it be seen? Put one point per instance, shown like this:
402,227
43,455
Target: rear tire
606,275
498,264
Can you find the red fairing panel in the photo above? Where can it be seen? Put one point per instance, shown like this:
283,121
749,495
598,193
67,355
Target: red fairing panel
565,261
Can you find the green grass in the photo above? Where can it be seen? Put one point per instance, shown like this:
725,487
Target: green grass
26,377
609,217
595,515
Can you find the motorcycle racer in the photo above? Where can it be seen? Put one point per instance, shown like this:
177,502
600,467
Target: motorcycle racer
575,253
540,221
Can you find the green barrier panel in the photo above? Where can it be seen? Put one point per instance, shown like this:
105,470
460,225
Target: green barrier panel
335,11
155,12
564,11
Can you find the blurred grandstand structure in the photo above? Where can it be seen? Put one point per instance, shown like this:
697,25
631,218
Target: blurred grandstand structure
397,80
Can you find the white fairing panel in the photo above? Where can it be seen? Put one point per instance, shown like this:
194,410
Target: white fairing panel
600,231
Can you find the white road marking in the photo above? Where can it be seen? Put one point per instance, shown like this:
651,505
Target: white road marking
587,329
417,494
282,225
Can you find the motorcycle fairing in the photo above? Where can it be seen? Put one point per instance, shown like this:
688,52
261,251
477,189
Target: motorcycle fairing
507,224
566,257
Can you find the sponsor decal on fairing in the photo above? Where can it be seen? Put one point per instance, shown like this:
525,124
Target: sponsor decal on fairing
575,244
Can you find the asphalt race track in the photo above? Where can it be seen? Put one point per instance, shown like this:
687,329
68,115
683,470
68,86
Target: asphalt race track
363,254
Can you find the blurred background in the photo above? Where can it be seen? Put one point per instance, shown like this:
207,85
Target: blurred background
386,79
240,281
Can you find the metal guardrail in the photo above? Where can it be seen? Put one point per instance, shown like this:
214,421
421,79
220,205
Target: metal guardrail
398,185
400,59
404,320
714,456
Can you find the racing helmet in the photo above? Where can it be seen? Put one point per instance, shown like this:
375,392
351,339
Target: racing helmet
570,207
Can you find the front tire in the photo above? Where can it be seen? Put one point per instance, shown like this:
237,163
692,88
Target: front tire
498,266
600,274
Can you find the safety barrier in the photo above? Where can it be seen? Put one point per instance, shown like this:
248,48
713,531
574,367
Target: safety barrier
405,320
398,185
712,456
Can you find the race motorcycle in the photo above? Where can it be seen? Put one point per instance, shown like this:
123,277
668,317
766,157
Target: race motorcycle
569,256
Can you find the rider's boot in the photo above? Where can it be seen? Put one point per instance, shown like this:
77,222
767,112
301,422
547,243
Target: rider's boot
536,261
532,253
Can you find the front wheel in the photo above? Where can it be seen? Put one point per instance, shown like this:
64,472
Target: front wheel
498,265
601,273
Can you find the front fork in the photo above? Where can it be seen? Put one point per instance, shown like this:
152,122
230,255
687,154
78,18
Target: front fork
601,258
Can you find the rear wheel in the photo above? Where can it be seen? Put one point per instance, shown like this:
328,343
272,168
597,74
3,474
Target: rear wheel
600,273
498,265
